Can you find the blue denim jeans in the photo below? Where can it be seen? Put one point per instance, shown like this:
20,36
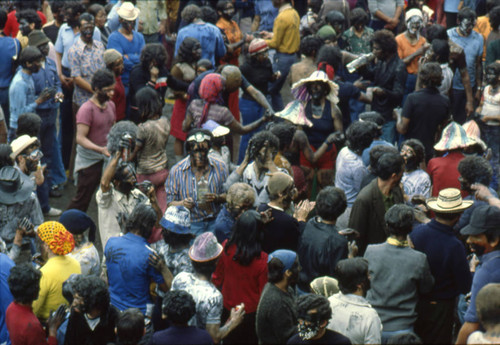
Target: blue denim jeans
387,335
4,103
198,228
389,132
491,136
281,62
250,111
58,173
46,136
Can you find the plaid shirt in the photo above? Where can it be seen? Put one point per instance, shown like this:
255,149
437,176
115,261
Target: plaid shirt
181,184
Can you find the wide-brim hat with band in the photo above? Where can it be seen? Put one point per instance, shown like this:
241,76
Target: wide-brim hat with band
177,219
449,201
20,144
37,38
299,89
205,248
14,186
55,235
454,137
128,11
474,133
295,113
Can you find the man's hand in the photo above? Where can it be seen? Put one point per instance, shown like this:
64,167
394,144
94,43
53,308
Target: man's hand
44,96
237,314
156,261
56,320
266,35
210,197
378,91
188,203
361,84
104,151
481,192
303,209
268,115
66,81
267,216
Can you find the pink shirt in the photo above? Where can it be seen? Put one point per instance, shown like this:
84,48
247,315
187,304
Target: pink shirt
99,120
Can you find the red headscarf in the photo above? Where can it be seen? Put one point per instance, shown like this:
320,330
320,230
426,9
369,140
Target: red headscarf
327,68
210,91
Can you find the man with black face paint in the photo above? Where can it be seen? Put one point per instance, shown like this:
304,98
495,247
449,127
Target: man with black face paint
196,182
472,43
314,311
483,235
350,304
449,266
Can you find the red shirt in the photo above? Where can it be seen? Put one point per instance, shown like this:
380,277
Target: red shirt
119,99
240,284
12,26
99,120
24,328
444,172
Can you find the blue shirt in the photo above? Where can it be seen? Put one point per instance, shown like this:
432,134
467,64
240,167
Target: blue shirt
10,48
451,6
47,77
210,38
5,296
487,272
224,225
366,152
447,259
267,13
130,48
129,273
113,22
66,38
473,47
21,96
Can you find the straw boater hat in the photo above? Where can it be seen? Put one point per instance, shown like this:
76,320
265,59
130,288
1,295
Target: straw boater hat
449,201
453,137
128,11
299,89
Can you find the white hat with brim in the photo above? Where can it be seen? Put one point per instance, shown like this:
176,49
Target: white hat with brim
299,89
474,133
20,144
128,11
454,137
449,201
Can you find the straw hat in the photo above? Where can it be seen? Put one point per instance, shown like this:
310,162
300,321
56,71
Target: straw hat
449,201
295,113
299,89
453,137
20,144
473,132
128,11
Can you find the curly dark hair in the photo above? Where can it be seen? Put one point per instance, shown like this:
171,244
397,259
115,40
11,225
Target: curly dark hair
117,131
93,291
441,49
466,13
102,78
493,67
24,283
209,15
5,152
495,17
285,132
360,134
399,219
388,164
436,31
350,273
309,302
185,52
179,306
190,13
475,169
418,147
28,123
359,15
335,17
431,74
378,151
385,39
331,202
175,240
258,140
148,102
89,18
330,55
310,45
76,7
130,326
247,237
153,52
30,16
142,218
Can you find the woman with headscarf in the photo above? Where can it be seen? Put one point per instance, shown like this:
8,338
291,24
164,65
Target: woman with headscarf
83,229
183,69
324,286
209,108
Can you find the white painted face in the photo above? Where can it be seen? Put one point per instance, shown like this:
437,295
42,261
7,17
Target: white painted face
414,24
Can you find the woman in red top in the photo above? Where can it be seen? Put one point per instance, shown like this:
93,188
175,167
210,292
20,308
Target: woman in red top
242,274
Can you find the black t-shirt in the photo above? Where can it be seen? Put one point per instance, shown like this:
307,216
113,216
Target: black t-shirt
280,233
330,337
259,75
181,335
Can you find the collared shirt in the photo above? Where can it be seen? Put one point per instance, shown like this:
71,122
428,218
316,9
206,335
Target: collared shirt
286,31
84,60
209,36
129,271
113,210
47,77
177,261
355,318
132,50
11,214
21,96
152,11
355,44
267,13
350,174
487,272
10,49
65,39
181,184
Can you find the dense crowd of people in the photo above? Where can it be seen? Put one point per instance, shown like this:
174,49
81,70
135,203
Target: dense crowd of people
333,176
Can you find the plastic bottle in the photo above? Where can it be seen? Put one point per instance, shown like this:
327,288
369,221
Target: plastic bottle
201,192
359,62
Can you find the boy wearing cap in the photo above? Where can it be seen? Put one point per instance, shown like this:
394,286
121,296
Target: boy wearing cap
54,242
448,263
483,235
204,254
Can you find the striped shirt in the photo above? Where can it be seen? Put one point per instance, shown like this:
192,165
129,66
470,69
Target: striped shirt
181,184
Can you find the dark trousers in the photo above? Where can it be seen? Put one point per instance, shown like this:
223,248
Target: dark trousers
67,127
435,321
451,19
4,103
458,101
243,334
88,181
47,137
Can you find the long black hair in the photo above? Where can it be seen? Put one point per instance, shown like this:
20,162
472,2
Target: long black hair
247,236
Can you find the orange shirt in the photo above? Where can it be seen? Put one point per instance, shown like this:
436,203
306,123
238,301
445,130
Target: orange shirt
406,49
483,27
234,35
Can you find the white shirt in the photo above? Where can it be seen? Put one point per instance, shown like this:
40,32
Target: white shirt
355,318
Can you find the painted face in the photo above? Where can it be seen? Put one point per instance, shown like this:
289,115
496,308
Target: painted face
34,66
414,24
105,94
86,30
466,26
308,329
265,154
317,90
479,244
228,12
377,51
199,154
128,25
491,77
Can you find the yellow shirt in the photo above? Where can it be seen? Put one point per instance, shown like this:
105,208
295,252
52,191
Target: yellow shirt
54,273
286,32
